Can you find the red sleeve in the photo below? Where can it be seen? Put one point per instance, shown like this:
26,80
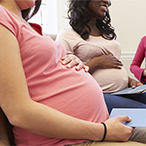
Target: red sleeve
138,59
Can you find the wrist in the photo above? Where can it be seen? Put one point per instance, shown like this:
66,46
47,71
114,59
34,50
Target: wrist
92,64
96,132
105,132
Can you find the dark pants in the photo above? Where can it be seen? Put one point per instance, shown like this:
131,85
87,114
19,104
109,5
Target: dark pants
129,101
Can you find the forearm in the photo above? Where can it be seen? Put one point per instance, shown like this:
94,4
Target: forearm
52,123
93,65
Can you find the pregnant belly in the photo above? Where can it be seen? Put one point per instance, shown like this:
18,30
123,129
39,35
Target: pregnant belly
111,80
76,93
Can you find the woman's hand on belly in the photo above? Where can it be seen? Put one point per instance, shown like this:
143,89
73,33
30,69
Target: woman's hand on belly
109,61
72,60
104,62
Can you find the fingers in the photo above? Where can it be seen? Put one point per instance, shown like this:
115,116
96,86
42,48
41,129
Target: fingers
109,61
133,83
75,62
86,68
67,59
117,65
125,118
139,84
71,61
116,62
116,130
81,65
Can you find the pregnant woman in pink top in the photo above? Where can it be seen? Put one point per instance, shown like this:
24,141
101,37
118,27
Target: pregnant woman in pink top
47,103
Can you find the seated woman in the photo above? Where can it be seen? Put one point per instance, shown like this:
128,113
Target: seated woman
91,37
47,103
140,73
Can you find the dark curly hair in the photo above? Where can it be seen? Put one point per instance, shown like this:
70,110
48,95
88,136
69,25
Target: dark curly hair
27,14
79,16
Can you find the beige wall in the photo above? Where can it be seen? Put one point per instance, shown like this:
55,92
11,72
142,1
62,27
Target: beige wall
129,19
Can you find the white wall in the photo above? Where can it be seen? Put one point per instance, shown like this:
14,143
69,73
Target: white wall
62,13
129,19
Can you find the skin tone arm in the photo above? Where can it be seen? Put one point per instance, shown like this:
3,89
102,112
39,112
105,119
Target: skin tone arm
21,110
103,62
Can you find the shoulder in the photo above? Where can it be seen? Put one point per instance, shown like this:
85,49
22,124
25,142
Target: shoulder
68,33
5,14
8,20
143,38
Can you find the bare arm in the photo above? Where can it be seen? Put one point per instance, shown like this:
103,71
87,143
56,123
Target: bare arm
21,110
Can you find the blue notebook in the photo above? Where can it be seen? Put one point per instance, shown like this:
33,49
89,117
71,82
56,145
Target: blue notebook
137,90
138,116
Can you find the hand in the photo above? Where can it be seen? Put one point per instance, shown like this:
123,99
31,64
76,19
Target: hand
133,83
108,61
116,130
72,60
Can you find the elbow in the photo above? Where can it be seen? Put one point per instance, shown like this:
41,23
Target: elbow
15,120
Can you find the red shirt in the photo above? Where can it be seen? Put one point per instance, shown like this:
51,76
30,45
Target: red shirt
138,59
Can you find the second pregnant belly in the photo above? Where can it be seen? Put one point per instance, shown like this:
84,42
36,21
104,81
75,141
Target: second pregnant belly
111,80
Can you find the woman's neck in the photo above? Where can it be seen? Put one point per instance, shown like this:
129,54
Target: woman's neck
12,7
94,30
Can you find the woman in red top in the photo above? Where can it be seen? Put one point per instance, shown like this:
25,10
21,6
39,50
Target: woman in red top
140,73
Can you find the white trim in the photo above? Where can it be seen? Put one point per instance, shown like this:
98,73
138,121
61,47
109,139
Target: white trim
127,55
